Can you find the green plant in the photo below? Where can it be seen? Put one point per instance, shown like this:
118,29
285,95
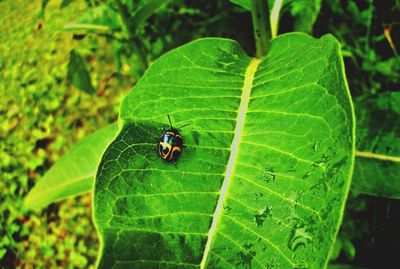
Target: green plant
227,63
41,118
121,23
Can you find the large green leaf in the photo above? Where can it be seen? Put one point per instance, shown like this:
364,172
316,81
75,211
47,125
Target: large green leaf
266,170
377,170
73,174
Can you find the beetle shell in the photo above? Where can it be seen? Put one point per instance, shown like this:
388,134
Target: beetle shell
170,146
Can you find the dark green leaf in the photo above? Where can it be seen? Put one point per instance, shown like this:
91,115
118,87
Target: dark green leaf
65,3
147,10
246,4
78,74
44,4
265,173
377,169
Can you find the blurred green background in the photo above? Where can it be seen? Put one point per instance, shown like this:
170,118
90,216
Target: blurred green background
43,115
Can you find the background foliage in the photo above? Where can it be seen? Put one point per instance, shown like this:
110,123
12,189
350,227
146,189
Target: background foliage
44,112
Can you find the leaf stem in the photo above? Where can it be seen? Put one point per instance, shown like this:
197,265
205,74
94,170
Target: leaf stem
373,155
261,26
274,17
370,15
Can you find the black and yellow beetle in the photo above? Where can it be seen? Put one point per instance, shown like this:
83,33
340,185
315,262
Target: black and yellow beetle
170,144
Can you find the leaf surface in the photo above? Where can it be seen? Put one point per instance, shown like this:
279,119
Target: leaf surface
266,170
74,173
146,10
377,168
78,74
305,13
101,18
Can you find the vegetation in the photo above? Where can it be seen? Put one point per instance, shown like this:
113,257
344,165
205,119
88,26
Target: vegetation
67,70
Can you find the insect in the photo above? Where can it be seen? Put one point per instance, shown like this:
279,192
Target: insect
170,144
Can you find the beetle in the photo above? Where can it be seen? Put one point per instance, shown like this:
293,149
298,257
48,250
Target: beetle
170,144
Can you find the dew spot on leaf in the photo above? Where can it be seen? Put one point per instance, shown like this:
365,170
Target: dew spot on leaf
262,215
300,237
269,175
246,256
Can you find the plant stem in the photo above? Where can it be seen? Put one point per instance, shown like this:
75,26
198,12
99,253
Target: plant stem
135,43
369,23
261,26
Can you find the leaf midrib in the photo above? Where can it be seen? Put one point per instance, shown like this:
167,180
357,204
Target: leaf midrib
248,83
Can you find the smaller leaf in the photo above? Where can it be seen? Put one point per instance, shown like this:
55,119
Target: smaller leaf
243,3
2,252
147,10
101,18
43,6
78,74
85,27
349,249
305,14
74,173
65,3
344,266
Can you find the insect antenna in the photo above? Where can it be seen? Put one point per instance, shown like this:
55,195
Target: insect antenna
184,126
170,123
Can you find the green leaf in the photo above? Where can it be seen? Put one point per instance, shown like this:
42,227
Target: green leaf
378,143
43,6
246,4
101,18
344,266
147,9
78,74
73,174
65,3
305,13
266,169
3,252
